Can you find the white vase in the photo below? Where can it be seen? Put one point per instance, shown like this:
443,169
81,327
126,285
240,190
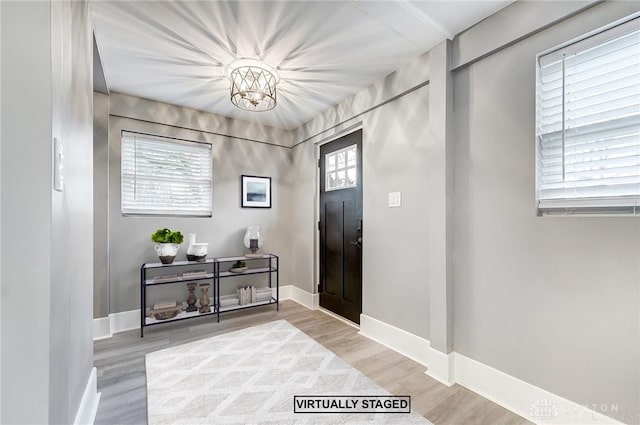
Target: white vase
167,252
192,242
199,251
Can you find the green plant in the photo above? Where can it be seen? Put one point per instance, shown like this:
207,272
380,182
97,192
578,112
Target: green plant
167,236
239,265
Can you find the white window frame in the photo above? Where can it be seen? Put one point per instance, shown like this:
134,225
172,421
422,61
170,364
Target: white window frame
197,180
336,169
564,201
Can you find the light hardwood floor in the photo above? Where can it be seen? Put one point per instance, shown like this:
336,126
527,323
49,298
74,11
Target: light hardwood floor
121,370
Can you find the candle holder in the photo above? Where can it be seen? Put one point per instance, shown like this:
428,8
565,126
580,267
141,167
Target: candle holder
191,299
253,241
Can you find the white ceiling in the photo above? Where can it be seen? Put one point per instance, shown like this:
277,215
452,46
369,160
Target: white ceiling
325,51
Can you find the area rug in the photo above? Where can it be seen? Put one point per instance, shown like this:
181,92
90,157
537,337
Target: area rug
251,376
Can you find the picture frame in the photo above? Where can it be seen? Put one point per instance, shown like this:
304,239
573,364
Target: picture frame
255,191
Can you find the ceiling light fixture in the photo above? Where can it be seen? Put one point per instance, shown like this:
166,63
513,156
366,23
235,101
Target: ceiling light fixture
253,85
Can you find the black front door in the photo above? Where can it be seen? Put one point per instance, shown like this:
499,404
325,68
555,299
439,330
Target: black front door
341,226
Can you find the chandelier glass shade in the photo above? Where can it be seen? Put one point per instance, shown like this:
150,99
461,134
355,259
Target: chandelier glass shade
253,85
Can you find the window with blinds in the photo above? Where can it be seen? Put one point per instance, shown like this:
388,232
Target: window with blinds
588,123
162,176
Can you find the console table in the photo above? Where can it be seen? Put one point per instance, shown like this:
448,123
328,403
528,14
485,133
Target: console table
212,270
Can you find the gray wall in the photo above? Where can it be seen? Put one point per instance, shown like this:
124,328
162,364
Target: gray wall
129,237
100,202
46,244
552,301
0,213
71,337
395,150
26,219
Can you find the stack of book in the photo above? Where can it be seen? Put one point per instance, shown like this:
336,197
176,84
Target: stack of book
244,294
228,300
165,278
250,294
263,294
191,274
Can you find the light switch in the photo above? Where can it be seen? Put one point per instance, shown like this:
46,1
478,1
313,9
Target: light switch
395,199
58,157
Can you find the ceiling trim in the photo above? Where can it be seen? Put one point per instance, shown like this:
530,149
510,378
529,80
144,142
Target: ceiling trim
197,130
359,114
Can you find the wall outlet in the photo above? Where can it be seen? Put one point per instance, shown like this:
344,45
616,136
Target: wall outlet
395,199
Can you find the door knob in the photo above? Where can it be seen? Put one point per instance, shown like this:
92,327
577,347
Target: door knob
357,242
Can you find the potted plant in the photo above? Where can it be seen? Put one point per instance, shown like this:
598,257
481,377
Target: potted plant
238,267
167,244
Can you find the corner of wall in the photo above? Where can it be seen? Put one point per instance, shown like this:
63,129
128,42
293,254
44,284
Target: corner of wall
86,413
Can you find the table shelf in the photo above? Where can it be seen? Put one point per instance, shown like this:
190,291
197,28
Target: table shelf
213,270
240,307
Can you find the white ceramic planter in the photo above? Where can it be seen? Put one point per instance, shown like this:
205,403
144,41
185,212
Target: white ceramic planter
167,252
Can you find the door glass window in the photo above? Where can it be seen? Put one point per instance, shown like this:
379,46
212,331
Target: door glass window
340,169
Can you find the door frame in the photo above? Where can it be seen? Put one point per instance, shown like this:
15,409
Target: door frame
316,246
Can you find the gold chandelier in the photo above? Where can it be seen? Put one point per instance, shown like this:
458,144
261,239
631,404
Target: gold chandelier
253,85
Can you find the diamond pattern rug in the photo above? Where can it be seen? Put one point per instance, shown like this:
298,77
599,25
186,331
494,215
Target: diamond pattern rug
250,376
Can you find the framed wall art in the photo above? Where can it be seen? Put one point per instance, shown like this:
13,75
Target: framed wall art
256,192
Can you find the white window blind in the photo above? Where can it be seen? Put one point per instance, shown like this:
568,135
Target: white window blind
588,123
162,176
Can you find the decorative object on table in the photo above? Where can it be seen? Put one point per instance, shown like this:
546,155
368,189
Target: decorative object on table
229,300
191,299
165,278
256,192
263,294
239,267
249,294
204,299
164,313
253,240
197,251
194,274
167,244
161,305
192,242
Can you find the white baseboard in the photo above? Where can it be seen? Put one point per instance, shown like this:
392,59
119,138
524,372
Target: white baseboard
527,400
439,365
405,343
105,327
86,414
302,297
524,399
101,328
124,321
